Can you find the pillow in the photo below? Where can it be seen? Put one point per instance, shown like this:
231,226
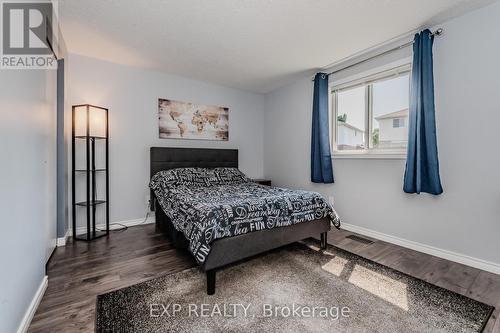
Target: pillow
181,176
227,176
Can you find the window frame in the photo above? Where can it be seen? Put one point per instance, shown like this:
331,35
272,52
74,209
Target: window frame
367,81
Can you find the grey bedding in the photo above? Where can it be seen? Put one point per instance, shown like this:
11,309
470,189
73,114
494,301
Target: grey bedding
209,204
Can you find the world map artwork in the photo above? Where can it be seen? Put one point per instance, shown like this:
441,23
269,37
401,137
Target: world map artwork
183,120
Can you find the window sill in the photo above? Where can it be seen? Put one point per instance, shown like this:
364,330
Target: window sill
381,155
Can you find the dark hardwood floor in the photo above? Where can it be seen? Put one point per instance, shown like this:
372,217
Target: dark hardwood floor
474,283
80,271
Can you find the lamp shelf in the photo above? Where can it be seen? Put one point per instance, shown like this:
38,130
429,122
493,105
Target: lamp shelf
92,122
92,203
91,137
95,234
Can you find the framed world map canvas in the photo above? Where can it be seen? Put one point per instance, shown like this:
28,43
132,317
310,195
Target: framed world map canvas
183,120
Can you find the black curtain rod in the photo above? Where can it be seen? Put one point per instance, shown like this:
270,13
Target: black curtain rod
438,32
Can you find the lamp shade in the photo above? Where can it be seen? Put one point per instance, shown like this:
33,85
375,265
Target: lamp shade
95,117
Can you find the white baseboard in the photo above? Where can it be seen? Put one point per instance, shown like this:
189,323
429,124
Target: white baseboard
61,241
445,254
116,225
30,312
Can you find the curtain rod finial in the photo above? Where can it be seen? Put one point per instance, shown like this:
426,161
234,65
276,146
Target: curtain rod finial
438,32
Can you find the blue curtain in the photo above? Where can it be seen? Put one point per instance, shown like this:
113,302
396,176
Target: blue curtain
321,159
422,165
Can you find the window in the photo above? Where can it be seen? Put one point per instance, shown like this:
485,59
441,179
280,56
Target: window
398,122
351,120
370,115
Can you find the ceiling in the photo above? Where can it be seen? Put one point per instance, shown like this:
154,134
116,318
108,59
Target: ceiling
255,45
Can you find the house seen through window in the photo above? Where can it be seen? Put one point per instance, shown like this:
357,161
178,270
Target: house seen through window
372,113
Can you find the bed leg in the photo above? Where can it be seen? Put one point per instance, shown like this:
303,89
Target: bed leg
324,240
211,281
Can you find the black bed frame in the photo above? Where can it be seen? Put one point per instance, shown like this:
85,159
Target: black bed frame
228,250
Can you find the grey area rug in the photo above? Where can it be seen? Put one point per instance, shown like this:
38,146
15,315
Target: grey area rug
294,289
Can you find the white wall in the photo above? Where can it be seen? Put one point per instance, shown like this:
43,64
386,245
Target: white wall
368,193
131,94
27,187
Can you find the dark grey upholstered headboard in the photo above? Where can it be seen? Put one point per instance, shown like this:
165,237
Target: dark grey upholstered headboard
165,158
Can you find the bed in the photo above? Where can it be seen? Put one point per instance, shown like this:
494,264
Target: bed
203,203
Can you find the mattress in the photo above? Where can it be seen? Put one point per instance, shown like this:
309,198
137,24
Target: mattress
209,204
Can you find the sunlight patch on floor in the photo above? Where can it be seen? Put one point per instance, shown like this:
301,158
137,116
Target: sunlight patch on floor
335,266
382,286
